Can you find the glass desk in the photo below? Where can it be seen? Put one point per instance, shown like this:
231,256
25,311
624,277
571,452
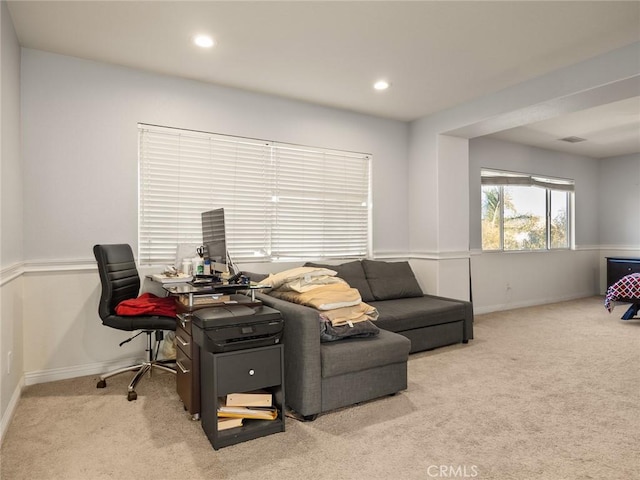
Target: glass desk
190,298
192,292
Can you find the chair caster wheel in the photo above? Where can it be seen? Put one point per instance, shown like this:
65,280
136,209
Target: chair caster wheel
132,396
101,384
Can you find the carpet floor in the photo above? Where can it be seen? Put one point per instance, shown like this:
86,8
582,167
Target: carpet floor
548,392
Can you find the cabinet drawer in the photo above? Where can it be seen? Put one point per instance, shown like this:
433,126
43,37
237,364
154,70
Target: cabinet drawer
184,322
184,377
184,341
619,267
248,370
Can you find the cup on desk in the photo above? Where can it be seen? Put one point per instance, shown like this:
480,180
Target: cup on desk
186,267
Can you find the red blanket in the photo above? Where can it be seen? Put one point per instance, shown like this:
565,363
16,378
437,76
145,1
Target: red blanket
147,304
626,287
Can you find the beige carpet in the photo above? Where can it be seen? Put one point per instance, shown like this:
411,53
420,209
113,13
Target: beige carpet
549,392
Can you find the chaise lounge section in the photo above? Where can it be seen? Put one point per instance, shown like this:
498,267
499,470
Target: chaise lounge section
323,376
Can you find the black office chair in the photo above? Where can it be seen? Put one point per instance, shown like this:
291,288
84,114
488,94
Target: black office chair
120,281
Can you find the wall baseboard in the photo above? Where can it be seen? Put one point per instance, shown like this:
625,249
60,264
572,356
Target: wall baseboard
544,301
7,415
54,374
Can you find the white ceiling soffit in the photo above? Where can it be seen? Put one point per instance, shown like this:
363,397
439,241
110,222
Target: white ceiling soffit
608,131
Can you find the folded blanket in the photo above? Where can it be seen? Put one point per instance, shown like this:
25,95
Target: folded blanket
147,304
301,285
304,274
352,314
325,297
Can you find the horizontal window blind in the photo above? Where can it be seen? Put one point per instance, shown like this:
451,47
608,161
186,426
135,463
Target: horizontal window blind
496,177
281,201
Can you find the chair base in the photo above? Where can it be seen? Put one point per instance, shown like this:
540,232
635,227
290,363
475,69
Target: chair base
141,369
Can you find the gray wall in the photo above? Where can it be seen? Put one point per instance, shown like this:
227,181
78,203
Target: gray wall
619,206
80,147
490,153
11,188
517,279
11,218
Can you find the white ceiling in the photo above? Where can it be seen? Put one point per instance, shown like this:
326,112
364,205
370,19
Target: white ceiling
436,54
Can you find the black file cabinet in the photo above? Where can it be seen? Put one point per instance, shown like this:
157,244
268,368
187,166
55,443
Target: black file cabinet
187,366
259,368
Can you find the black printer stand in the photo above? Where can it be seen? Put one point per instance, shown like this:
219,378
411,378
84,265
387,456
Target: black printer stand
240,352
260,368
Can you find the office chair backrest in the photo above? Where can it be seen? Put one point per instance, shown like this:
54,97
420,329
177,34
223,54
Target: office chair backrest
118,275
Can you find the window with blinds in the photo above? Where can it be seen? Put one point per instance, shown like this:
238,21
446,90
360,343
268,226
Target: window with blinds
281,201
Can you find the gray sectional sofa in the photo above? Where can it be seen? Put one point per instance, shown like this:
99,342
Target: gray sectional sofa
323,376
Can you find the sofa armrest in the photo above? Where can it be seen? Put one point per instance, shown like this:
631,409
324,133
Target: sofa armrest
468,316
302,362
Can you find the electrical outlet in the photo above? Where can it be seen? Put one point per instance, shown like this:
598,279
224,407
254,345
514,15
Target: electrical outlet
9,357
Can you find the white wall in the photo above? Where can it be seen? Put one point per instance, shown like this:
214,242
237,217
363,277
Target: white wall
432,190
80,165
515,279
11,236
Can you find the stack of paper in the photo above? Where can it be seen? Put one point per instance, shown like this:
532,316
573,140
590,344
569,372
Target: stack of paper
249,399
264,413
179,278
227,423
257,405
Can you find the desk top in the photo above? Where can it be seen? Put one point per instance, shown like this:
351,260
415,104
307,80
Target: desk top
207,289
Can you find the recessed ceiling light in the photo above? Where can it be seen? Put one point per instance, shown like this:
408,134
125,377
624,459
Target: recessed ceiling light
381,85
204,41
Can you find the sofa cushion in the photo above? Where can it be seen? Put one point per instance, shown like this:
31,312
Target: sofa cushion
358,354
353,274
410,313
389,280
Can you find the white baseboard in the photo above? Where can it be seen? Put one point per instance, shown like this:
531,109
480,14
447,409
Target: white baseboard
530,303
11,408
54,374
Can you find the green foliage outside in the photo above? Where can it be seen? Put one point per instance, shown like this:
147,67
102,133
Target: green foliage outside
522,231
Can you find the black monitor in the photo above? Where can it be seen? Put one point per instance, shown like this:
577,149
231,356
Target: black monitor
214,240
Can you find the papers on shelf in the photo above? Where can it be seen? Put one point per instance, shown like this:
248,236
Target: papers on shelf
245,412
180,278
211,299
267,413
249,399
227,423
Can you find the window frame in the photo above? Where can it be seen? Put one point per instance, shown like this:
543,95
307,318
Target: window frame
500,179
